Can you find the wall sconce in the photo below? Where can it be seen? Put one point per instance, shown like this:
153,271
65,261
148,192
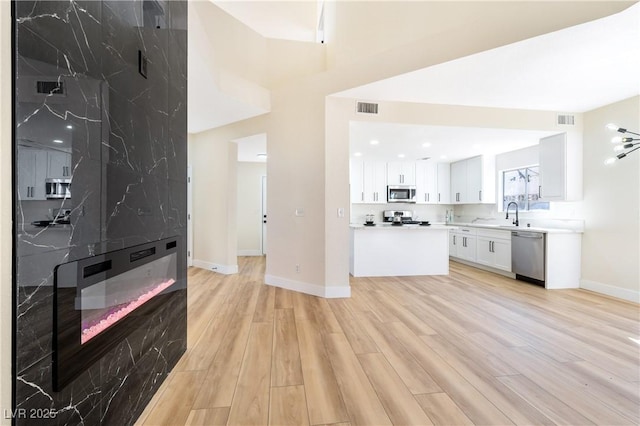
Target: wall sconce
623,145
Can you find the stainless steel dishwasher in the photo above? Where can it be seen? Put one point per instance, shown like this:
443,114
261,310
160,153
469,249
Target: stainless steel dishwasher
527,256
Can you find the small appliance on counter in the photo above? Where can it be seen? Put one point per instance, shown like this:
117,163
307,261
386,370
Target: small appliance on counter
368,220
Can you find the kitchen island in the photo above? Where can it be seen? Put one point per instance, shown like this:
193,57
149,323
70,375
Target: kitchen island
407,250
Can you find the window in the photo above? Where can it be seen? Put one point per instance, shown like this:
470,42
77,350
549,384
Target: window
523,187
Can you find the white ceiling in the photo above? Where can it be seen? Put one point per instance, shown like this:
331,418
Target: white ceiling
445,144
573,70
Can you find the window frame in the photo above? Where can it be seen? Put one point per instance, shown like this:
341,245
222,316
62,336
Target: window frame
527,201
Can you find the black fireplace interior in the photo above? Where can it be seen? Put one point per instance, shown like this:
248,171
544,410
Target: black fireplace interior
99,300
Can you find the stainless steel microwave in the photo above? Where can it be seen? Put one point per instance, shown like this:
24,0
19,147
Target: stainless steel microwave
401,194
58,188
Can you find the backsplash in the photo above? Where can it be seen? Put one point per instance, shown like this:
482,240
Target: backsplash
431,212
100,100
560,216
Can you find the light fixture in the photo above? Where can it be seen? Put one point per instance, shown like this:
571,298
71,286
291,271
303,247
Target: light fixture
58,141
374,142
69,126
624,145
442,157
426,144
400,155
357,154
261,155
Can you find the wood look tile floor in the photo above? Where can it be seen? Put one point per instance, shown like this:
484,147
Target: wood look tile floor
469,348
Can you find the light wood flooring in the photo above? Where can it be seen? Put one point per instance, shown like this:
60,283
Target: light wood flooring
469,348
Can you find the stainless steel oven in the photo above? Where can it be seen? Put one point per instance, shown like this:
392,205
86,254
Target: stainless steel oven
401,194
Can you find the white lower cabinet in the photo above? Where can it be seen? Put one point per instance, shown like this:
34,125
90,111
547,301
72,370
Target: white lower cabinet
487,247
494,249
463,241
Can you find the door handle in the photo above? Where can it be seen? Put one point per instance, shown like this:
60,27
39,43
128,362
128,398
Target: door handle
438,197
540,191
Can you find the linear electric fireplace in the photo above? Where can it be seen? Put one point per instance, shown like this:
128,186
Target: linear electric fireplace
100,300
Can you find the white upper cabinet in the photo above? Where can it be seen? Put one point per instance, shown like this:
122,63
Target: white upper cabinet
32,170
401,173
432,182
368,182
59,165
356,181
375,182
444,183
560,168
473,180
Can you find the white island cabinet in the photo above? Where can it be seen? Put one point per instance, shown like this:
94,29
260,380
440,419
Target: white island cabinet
408,250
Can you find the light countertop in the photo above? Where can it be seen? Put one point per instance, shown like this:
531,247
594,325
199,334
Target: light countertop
515,228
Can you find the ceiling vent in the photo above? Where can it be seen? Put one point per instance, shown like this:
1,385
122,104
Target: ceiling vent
50,87
366,108
424,158
568,120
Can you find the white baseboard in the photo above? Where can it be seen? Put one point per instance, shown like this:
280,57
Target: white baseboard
331,292
249,252
609,290
215,267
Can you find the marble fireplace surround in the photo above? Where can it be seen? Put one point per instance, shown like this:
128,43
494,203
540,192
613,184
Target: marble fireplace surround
119,137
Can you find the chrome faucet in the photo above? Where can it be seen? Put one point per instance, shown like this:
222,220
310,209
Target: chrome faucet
515,222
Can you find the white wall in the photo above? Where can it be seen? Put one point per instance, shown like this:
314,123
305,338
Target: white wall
308,133
5,210
249,222
611,241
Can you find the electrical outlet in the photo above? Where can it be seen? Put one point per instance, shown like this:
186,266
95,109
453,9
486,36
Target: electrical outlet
298,269
341,212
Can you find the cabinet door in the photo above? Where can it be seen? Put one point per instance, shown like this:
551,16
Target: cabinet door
32,168
484,253
356,184
454,240
443,183
375,176
502,254
394,173
474,180
59,165
458,181
552,167
401,173
426,182
467,248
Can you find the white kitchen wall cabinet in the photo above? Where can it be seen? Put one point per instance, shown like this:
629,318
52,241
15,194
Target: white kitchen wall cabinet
444,183
473,180
356,181
426,182
432,182
560,168
401,173
375,182
32,171
494,249
59,165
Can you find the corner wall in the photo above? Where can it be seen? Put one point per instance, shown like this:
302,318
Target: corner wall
611,241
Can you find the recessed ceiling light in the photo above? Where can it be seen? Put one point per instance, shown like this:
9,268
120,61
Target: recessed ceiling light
443,157
69,126
261,155
426,144
358,154
476,145
374,142
58,141
400,155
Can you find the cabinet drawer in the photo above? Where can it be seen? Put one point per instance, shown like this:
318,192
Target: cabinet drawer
465,231
494,234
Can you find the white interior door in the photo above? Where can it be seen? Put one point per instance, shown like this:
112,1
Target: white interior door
189,220
264,215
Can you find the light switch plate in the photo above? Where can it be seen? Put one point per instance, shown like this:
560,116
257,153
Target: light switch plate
340,211
299,212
